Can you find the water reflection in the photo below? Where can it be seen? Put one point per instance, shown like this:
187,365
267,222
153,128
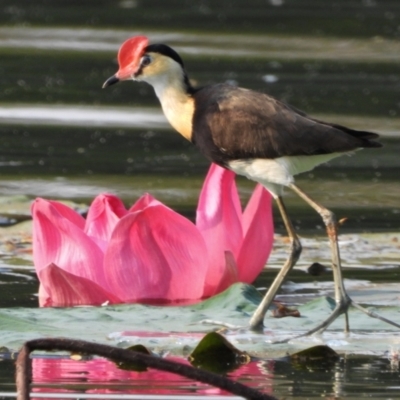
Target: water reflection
83,116
376,49
103,376
351,377
338,18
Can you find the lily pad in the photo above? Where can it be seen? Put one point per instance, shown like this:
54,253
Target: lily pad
216,354
179,329
137,366
321,354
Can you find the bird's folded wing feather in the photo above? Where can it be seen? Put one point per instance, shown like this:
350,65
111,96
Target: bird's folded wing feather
247,124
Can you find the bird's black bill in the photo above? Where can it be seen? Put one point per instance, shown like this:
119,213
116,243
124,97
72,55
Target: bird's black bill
110,81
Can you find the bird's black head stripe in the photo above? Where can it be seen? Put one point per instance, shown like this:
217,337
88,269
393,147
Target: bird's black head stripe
166,51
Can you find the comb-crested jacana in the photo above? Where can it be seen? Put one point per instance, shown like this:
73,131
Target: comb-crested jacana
253,135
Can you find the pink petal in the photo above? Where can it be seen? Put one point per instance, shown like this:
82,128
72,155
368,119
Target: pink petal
58,240
230,273
147,200
104,213
61,289
219,220
156,254
63,210
258,238
44,298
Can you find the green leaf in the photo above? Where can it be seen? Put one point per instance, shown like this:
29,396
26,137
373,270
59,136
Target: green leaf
314,356
239,297
216,354
135,366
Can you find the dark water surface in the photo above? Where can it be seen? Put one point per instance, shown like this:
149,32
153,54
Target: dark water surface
348,18
63,137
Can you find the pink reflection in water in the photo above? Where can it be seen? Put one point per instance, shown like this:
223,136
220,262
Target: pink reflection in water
64,375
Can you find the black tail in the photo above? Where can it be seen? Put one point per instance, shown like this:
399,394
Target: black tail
365,137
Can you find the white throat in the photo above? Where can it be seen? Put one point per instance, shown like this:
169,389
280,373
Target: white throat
177,105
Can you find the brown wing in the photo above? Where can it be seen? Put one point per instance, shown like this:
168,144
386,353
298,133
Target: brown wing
240,123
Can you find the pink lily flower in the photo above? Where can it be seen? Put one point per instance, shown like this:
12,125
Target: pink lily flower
150,253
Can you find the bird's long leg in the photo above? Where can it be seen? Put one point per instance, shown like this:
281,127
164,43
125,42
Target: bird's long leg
343,301
341,297
256,321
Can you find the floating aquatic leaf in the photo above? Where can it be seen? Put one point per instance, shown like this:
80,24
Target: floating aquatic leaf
314,355
242,296
176,329
215,353
135,366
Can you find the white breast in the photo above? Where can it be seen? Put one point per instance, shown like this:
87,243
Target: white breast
276,173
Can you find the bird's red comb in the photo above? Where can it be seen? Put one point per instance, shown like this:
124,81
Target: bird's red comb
130,53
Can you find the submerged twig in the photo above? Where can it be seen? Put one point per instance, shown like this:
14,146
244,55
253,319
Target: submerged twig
24,367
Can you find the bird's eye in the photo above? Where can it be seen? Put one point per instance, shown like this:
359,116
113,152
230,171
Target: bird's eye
145,60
